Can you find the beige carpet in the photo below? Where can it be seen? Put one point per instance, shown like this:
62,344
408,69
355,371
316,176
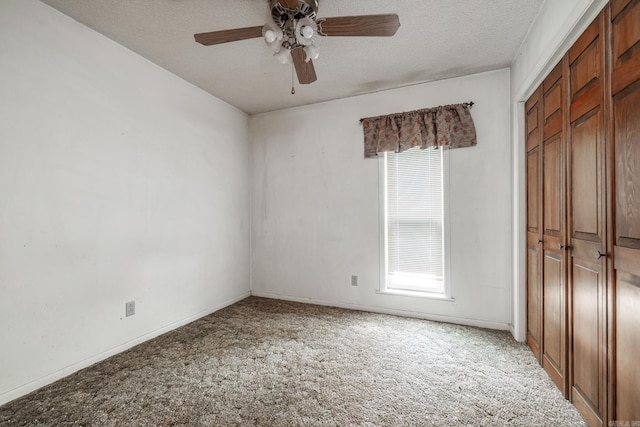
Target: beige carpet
275,363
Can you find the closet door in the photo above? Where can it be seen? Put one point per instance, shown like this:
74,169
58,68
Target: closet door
586,173
554,229
625,124
534,219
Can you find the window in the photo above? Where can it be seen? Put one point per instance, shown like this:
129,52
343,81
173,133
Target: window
414,222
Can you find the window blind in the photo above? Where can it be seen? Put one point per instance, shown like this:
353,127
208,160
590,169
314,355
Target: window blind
414,198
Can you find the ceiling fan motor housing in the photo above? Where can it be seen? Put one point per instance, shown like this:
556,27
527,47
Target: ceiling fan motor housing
284,16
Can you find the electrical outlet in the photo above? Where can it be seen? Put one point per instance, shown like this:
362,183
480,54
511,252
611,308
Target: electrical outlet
130,308
354,280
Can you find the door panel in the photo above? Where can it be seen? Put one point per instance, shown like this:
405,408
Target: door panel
553,309
586,169
626,110
586,177
553,317
588,337
585,71
533,190
625,37
552,105
553,102
554,272
586,330
552,203
625,123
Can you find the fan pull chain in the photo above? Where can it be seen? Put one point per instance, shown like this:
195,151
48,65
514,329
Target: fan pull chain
293,89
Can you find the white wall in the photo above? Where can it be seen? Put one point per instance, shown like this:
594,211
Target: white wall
315,219
555,29
118,182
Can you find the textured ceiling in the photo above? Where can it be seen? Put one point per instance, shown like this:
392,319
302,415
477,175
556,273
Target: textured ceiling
437,39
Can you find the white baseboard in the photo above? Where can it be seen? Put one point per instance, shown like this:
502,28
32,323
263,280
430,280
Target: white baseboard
396,312
516,336
48,379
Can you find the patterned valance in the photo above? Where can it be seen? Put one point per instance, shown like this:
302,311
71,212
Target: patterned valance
445,126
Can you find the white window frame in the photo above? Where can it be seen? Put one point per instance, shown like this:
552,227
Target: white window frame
382,179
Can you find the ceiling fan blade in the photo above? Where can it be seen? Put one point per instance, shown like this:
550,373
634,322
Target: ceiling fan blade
364,25
305,70
224,36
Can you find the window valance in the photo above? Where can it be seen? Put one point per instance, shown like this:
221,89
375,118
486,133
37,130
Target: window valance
444,126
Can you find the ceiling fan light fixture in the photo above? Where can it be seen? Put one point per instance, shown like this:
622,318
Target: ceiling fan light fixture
312,53
272,36
305,31
283,56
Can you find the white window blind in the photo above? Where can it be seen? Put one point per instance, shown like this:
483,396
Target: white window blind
414,220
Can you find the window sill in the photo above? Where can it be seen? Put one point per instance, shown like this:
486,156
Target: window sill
415,294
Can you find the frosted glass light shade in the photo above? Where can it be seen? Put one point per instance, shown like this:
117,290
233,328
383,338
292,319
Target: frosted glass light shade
312,52
305,31
270,36
284,56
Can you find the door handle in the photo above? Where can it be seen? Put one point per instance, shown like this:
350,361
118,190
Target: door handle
564,247
600,255
539,240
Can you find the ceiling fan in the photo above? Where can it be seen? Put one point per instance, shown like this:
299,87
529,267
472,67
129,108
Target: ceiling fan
294,29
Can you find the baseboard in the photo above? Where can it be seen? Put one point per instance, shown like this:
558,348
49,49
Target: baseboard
512,329
396,312
48,379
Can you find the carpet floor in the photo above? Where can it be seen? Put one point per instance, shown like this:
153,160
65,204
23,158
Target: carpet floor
276,363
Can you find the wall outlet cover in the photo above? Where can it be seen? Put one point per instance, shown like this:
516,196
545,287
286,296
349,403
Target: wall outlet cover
130,308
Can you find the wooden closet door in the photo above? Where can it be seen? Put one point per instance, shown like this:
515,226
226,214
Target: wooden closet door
625,126
534,223
554,229
586,206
